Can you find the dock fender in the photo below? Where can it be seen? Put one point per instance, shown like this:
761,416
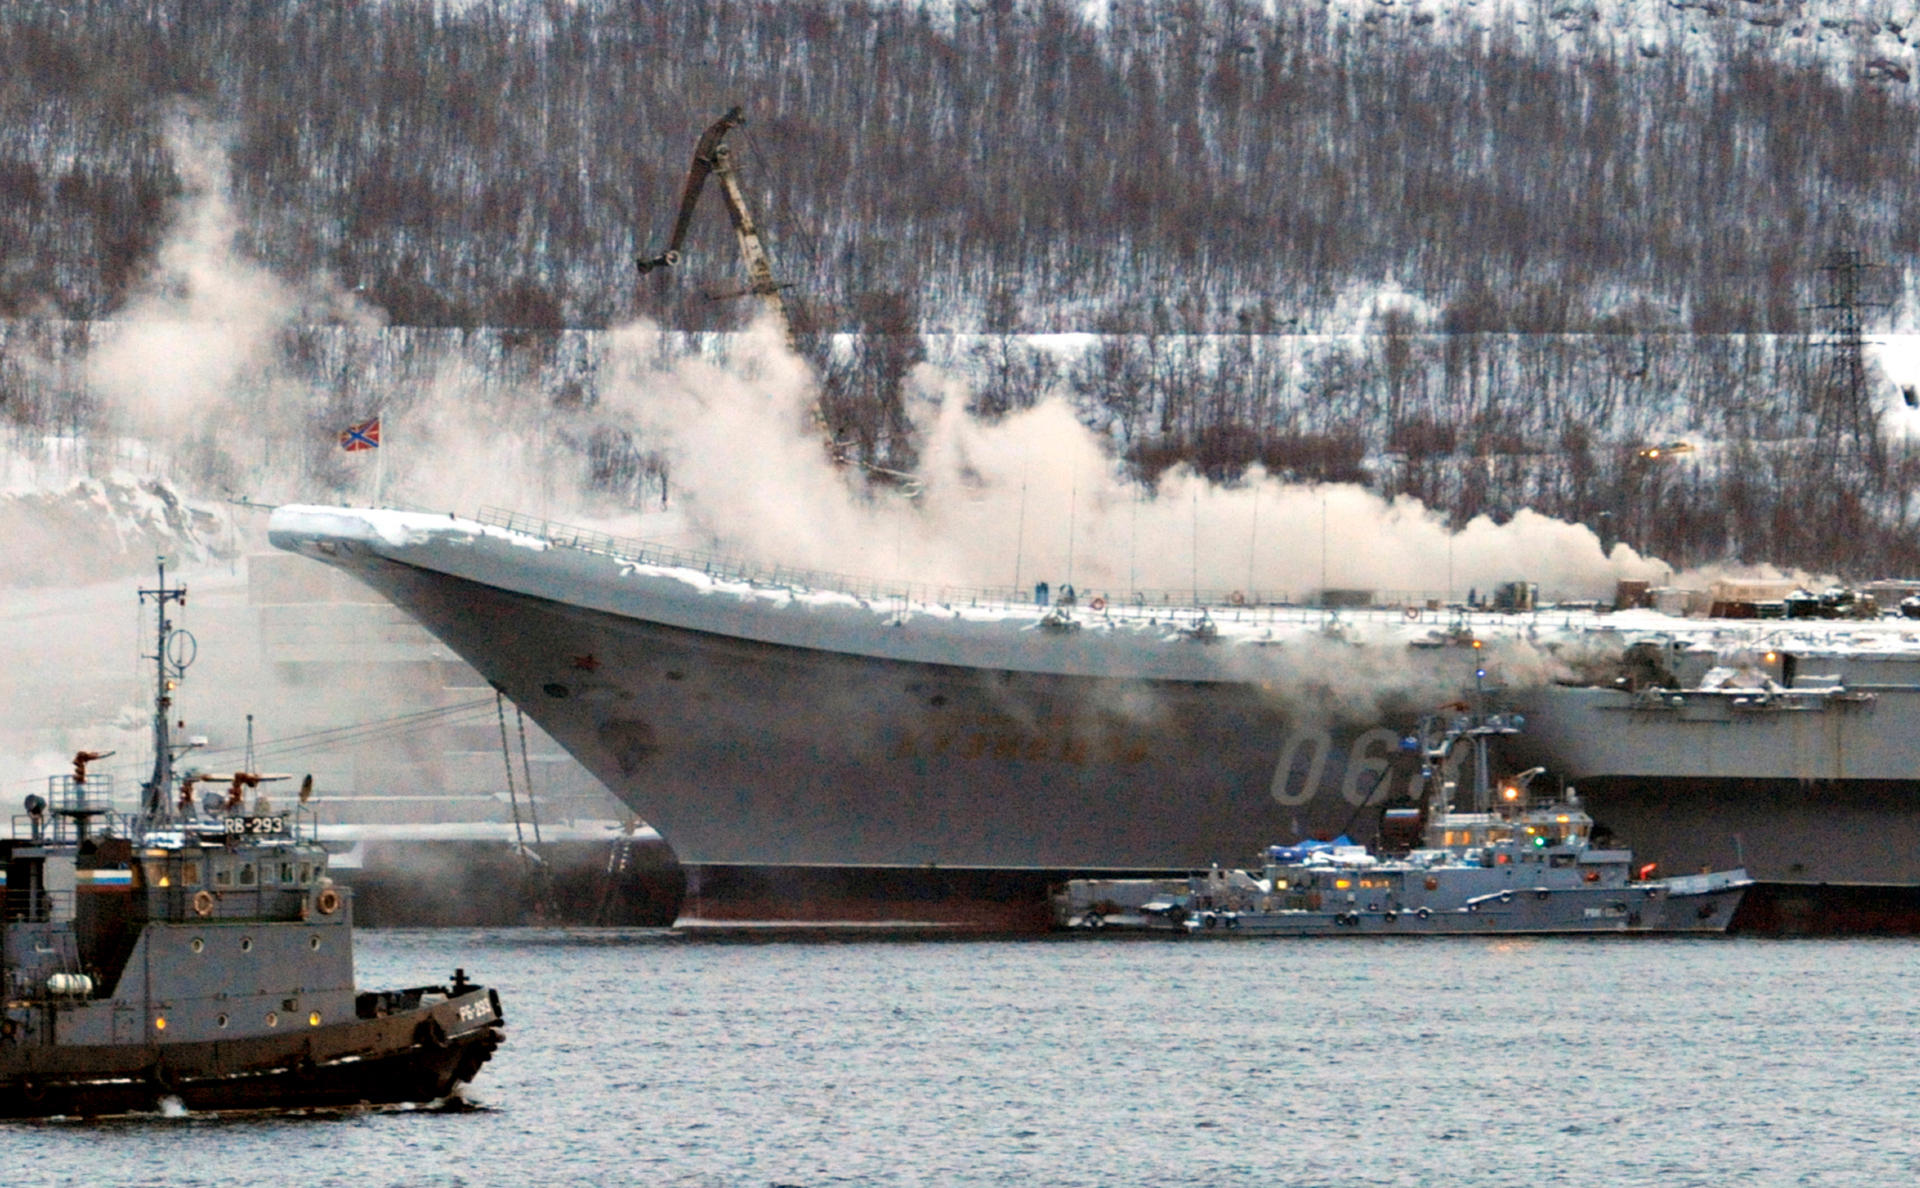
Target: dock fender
1093,920
1233,921
1389,917
431,1033
1506,897
1423,912
1541,892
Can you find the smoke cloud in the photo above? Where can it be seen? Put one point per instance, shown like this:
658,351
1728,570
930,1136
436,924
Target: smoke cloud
1039,496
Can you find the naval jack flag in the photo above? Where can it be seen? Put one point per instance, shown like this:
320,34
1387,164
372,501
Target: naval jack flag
364,436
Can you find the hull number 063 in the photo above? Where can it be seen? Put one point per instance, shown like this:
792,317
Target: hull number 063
1367,776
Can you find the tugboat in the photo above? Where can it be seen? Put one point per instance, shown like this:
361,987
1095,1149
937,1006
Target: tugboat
1514,864
200,954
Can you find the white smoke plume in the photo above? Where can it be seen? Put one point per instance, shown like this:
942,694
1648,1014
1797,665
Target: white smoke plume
1038,496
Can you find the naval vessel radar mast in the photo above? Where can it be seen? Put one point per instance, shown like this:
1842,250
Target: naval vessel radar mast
173,653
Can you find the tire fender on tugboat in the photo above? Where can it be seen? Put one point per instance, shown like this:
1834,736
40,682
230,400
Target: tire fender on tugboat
431,1034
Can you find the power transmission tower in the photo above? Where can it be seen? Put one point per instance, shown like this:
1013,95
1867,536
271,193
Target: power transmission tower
1845,426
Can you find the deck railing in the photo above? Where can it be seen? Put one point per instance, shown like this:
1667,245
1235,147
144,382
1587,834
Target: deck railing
1226,605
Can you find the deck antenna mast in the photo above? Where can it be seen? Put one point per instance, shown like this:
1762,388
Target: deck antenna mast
173,652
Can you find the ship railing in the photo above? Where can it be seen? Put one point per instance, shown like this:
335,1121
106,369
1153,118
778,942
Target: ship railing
49,829
1225,605
35,906
91,797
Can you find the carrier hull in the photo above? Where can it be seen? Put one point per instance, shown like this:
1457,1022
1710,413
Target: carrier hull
816,757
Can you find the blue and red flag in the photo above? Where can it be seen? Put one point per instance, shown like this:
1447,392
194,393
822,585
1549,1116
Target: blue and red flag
364,436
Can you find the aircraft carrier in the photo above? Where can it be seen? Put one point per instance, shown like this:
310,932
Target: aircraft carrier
821,749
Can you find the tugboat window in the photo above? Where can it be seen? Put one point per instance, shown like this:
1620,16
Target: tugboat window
189,874
223,877
286,872
157,875
306,873
246,874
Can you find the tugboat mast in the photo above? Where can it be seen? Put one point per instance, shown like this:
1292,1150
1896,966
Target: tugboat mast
156,802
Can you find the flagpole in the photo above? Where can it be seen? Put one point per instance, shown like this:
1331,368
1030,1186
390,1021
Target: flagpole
380,456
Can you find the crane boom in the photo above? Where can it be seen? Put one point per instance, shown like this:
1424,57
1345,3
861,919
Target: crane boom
713,156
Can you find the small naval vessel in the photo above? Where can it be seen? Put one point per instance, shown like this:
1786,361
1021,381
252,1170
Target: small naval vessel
200,953
1515,863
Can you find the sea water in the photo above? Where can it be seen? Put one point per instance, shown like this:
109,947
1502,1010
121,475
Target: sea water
658,1058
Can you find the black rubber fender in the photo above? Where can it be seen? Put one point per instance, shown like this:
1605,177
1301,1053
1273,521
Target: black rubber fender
431,1034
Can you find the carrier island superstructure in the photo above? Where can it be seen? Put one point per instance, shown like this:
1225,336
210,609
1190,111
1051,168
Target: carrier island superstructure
817,749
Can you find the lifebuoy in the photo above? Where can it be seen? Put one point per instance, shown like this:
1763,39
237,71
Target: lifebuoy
328,901
1237,598
1098,603
203,903
1413,612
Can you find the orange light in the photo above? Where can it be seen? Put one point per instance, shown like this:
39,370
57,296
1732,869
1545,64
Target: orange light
1476,643
1771,657
159,1022
1512,794
313,1020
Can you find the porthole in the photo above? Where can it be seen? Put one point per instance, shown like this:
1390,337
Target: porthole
197,945
313,942
555,691
273,1019
313,1020
246,944
219,1020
